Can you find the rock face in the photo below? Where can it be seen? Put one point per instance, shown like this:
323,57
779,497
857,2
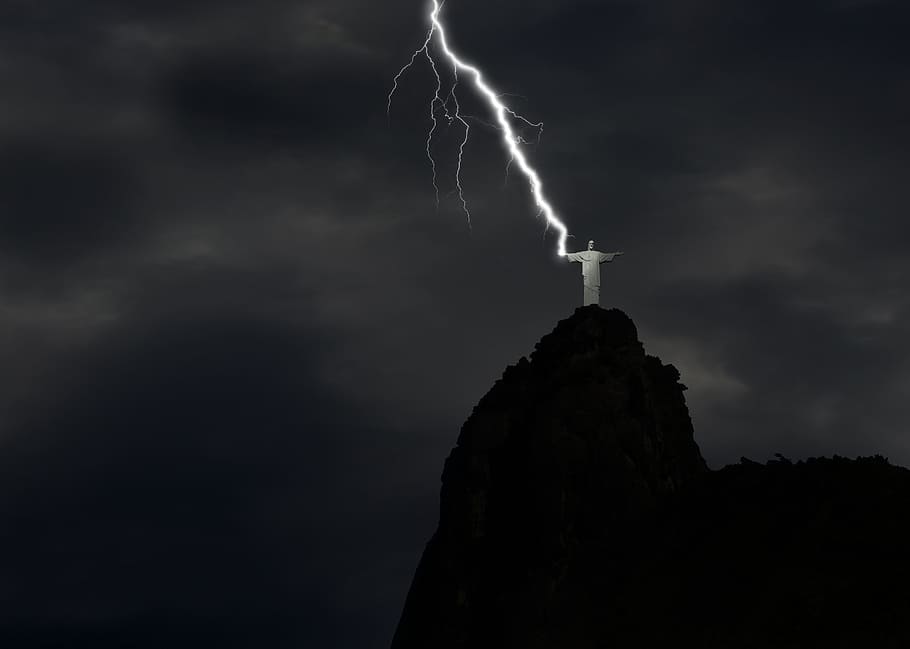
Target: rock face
577,513
565,452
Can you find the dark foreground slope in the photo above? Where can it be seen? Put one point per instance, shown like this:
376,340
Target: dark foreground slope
577,512
811,554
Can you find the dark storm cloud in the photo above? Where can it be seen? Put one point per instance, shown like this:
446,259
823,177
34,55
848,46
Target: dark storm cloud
61,199
237,339
803,373
237,99
186,487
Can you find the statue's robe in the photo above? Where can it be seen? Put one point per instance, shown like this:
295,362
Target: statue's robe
590,270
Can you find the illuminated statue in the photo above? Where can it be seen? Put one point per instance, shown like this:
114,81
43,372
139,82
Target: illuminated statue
590,270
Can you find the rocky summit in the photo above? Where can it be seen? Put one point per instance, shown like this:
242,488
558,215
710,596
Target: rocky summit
576,512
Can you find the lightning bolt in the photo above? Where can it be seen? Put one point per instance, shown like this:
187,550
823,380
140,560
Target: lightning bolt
504,122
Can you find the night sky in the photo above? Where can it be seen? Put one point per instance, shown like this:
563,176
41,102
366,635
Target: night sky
237,338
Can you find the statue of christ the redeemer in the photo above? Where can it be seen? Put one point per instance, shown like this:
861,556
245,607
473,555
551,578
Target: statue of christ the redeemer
590,270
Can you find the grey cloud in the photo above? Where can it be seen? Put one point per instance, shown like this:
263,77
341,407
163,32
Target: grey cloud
61,200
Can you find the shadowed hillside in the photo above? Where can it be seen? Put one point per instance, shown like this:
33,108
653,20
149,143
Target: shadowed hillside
577,512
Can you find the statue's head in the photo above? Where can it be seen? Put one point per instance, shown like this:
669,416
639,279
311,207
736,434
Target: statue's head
591,244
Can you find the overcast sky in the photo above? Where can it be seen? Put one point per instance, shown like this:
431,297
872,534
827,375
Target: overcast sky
237,338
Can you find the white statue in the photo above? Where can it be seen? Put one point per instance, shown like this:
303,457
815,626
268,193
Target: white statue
590,270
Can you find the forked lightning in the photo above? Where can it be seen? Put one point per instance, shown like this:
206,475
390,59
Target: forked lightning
504,119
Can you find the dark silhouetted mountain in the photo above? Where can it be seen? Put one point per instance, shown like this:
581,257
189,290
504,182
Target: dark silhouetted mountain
577,513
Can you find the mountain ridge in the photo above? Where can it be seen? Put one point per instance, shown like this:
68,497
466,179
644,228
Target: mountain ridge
576,511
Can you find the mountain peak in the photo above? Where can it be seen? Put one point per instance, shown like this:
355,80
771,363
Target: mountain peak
576,512
566,446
